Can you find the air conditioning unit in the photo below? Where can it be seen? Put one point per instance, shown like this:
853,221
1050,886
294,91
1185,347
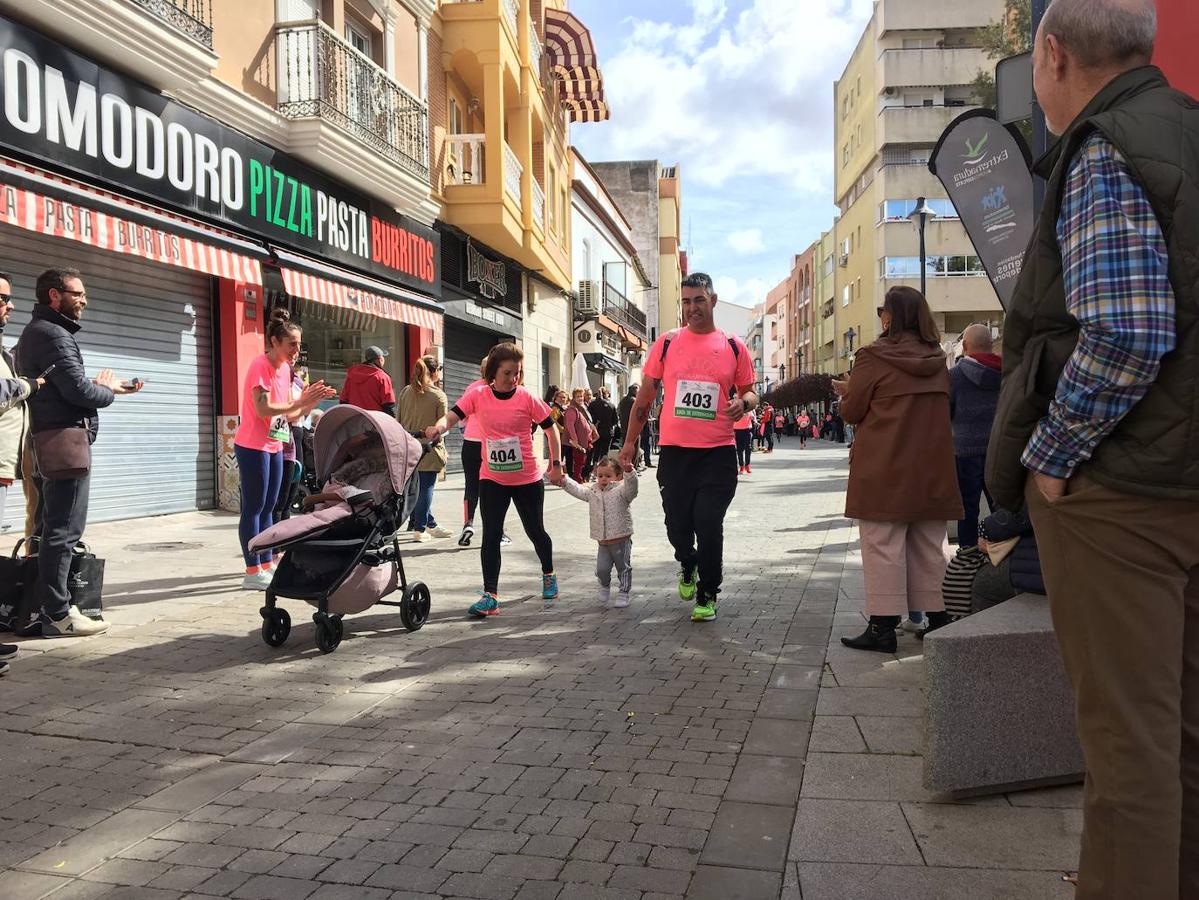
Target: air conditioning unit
890,92
844,260
589,298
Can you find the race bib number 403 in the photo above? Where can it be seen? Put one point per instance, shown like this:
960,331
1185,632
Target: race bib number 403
504,455
696,400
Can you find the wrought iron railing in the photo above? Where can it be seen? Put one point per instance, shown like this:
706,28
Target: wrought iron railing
192,17
618,308
513,171
320,76
511,12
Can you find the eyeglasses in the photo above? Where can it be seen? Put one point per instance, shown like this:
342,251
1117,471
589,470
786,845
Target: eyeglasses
6,299
880,311
82,295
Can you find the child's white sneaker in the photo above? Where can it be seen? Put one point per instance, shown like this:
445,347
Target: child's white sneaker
622,600
605,594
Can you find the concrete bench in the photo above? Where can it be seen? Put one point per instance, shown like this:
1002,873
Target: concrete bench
1000,711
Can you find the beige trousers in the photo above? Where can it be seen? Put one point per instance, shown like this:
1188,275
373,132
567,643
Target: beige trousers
903,564
1122,572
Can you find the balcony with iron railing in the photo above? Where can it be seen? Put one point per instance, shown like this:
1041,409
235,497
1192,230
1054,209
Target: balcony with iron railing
320,76
618,308
191,17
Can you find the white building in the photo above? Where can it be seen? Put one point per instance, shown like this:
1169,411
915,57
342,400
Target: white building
610,285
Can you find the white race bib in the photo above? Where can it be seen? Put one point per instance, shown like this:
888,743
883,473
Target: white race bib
279,430
696,400
505,455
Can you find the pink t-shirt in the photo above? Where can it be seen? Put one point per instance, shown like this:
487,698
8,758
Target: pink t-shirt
254,432
504,429
470,429
697,377
744,423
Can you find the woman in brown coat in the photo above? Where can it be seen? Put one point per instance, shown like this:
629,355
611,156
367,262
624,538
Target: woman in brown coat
902,479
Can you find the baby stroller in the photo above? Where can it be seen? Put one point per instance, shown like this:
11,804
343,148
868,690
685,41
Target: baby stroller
344,555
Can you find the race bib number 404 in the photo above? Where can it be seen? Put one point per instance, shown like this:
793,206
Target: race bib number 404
696,400
504,455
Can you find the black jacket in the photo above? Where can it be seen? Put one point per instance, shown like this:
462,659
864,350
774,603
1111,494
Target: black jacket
1025,566
69,398
626,410
603,416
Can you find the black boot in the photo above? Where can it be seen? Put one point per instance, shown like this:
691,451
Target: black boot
935,620
878,636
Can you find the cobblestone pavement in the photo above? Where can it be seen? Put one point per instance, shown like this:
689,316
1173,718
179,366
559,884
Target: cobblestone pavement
567,751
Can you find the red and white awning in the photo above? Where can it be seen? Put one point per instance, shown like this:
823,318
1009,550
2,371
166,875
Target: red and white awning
573,62
357,299
75,220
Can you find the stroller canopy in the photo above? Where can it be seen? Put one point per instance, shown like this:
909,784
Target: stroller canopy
341,424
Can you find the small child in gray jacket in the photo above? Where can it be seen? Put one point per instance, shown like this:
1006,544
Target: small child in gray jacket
609,498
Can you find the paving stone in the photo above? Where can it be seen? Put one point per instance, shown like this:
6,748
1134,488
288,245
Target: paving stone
777,737
857,776
717,883
795,678
202,787
841,881
766,779
485,887
891,734
749,835
839,734
409,878
997,837
850,831
350,871
537,868
272,887
88,849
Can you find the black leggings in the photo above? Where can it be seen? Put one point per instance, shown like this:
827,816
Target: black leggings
530,506
744,446
697,486
472,462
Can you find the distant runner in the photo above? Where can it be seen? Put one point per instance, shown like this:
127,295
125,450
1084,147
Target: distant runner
708,381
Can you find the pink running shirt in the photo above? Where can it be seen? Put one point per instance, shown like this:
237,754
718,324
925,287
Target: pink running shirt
254,432
699,372
745,423
504,429
470,429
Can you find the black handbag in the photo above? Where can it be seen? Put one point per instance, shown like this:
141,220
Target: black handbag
20,606
86,581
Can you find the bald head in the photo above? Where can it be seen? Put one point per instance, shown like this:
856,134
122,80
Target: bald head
977,339
1104,34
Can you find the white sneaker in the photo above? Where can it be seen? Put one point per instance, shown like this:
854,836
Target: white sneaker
73,624
439,532
420,537
468,534
914,627
259,581
622,600
604,594
505,540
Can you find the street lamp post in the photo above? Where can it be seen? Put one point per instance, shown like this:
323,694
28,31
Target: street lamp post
920,216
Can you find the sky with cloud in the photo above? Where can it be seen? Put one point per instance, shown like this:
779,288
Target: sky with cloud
740,94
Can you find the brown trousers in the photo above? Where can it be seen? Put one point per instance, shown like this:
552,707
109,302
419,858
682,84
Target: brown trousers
1122,572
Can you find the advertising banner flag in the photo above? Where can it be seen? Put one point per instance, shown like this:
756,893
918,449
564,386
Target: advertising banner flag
985,167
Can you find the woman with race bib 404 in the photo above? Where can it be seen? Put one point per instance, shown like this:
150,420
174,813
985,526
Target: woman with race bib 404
510,473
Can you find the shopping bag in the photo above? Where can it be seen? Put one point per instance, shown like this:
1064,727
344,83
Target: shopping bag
20,605
86,581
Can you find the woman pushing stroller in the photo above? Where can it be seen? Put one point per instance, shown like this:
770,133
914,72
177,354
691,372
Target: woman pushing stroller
510,474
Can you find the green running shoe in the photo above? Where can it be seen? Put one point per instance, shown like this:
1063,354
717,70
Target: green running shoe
705,610
485,606
549,587
687,585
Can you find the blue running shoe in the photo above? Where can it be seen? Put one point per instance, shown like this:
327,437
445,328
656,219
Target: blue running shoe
549,587
486,606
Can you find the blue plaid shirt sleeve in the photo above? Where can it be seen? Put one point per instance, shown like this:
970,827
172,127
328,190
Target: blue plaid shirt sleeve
1117,286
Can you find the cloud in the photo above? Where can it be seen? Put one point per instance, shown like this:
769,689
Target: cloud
743,293
747,242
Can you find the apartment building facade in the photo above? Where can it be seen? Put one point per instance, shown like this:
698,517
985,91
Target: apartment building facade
910,75
203,161
824,306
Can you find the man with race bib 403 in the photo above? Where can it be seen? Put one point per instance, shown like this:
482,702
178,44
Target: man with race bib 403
707,378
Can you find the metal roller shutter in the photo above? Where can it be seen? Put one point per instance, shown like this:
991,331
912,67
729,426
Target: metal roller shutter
464,347
156,451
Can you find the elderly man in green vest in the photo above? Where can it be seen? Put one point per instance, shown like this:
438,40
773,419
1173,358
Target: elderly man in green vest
1098,432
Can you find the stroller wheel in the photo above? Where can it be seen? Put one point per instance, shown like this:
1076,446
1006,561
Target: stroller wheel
414,606
328,633
276,626
335,621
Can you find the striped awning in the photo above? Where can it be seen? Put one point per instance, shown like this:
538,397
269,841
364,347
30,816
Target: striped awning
574,63
360,295
67,209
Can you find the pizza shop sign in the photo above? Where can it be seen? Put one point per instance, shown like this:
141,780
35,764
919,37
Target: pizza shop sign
66,110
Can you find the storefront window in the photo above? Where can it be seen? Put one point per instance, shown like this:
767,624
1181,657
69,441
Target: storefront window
335,339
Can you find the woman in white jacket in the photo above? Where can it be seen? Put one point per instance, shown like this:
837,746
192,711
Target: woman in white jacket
610,497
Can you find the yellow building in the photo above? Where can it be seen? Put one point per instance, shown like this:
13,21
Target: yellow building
516,71
909,77
825,287
670,230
